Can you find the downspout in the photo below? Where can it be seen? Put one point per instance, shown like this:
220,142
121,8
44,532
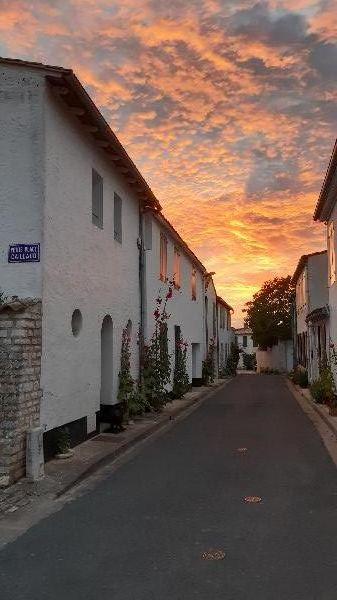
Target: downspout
142,290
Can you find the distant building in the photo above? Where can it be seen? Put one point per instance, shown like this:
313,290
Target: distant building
311,326
225,336
245,342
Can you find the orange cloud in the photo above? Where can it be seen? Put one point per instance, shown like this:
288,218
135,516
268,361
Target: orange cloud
229,111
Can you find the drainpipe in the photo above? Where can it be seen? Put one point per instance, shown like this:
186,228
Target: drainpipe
142,288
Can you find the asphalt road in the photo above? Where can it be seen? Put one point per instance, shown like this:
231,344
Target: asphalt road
141,533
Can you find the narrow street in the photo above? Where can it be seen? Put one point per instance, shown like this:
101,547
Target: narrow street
151,529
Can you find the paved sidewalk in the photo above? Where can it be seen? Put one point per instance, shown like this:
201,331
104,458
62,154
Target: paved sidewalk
90,456
321,409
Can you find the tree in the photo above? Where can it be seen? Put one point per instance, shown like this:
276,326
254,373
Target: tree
269,313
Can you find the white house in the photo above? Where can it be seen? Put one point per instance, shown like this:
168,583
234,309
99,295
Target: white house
84,252
169,259
71,202
326,212
245,342
225,336
312,312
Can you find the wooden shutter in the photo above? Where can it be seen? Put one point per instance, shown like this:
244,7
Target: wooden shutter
118,218
97,199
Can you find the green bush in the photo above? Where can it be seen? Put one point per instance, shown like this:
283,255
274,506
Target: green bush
269,371
322,390
232,361
300,377
249,361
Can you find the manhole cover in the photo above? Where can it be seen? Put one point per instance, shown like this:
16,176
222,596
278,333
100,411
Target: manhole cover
242,450
213,555
253,499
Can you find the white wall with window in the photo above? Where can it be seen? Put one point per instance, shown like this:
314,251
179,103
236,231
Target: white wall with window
167,260
91,226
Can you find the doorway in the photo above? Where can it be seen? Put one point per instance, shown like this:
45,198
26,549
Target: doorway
106,395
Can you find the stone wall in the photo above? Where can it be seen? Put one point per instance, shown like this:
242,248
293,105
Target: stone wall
20,391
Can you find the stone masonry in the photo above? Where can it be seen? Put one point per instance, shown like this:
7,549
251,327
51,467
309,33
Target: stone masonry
20,391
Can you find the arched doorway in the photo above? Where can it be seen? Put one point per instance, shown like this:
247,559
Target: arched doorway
106,361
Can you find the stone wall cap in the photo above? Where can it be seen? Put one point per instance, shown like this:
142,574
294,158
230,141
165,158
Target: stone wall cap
16,304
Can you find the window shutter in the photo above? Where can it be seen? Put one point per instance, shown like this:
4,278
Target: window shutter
97,199
118,218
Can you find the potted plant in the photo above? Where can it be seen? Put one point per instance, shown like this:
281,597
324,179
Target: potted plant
64,450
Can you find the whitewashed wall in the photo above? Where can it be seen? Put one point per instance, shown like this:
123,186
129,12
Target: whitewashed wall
84,268
279,357
249,349
225,335
21,176
185,312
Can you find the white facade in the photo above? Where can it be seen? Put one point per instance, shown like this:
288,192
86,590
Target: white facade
225,335
312,323
62,171
186,309
279,357
245,342
211,319
46,197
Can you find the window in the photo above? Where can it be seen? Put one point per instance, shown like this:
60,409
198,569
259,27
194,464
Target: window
97,199
118,218
163,257
194,284
244,338
331,253
176,268
76,322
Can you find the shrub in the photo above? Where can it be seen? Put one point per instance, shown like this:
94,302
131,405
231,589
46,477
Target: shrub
323,389
232,361
300,377
269,371
208,365
181,383
249,361
125,390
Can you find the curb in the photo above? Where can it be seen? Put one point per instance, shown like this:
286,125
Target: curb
164,423
316,407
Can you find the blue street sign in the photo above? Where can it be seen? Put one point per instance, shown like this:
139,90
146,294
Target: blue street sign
24,253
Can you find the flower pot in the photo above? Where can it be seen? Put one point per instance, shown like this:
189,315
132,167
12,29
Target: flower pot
65,455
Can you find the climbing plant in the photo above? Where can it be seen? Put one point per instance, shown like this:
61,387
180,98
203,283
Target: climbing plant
208,365
181,381
156,359
126,383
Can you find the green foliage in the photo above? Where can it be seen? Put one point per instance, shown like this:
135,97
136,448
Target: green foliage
269,314
208,365
300,377
181,382
323,389
232,361
126,383
156,360
249,361
62,440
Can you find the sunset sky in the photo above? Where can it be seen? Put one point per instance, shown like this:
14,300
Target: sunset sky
228,108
